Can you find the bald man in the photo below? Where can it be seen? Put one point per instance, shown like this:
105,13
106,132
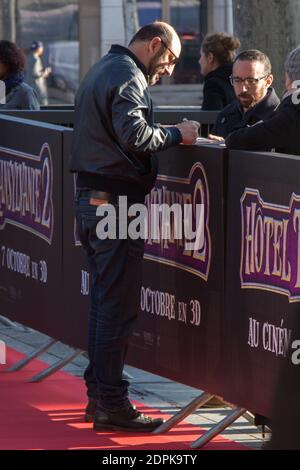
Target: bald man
114,138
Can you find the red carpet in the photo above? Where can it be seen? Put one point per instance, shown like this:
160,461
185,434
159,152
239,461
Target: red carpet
49,415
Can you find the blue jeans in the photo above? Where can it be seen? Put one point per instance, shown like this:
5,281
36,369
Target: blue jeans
116,274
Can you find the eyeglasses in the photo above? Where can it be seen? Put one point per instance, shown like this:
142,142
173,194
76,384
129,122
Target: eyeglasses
249,81
173,61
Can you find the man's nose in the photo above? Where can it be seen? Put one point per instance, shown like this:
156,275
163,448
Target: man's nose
169,69
244,87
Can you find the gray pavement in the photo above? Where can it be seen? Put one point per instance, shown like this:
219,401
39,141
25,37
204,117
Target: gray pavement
153,390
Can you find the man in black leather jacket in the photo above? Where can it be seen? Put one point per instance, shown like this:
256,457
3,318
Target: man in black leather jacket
255,100
114,138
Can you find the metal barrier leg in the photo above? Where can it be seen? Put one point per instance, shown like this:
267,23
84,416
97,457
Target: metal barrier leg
249,417
23,362
55,367
187,410
126,376
218,428
7,323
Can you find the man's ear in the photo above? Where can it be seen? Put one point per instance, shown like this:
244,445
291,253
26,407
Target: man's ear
155,44
288,81
210,57
269,80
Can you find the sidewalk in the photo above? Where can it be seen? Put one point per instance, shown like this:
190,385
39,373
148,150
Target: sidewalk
155,391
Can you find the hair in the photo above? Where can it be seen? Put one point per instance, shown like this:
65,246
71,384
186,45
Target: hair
292,64
36,45
222,46
254,55
12,57
152,30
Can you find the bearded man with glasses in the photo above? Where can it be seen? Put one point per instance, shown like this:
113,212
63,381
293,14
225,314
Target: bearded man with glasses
281,132
255,101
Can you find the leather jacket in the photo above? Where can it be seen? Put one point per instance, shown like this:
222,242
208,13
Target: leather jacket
114,133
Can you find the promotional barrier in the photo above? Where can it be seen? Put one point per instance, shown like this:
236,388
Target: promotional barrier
182,300
215,319
31,272
262,272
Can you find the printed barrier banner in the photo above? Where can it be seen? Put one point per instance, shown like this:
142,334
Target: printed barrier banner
220,320
262,272
31,223
179,334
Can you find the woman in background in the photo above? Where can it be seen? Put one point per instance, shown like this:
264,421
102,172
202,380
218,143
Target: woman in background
216,56
14,92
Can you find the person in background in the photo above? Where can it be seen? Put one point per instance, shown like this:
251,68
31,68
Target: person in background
216,56
16,93
281,132
114,140
36,74
255,99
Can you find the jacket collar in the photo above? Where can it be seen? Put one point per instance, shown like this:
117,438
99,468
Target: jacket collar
117,49
223,71
270,101
13,81
291,99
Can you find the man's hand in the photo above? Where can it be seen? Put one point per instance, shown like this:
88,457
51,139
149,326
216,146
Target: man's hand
217,138
47,71
189,131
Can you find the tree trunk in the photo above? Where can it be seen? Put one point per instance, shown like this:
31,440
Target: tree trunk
131,22
272,26
9,19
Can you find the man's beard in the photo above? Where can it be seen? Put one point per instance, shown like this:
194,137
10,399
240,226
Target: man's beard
246,100
154,69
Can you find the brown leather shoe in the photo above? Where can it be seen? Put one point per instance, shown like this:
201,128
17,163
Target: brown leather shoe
127,419
90,410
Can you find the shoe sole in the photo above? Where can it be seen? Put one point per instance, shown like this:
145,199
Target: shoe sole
112,427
